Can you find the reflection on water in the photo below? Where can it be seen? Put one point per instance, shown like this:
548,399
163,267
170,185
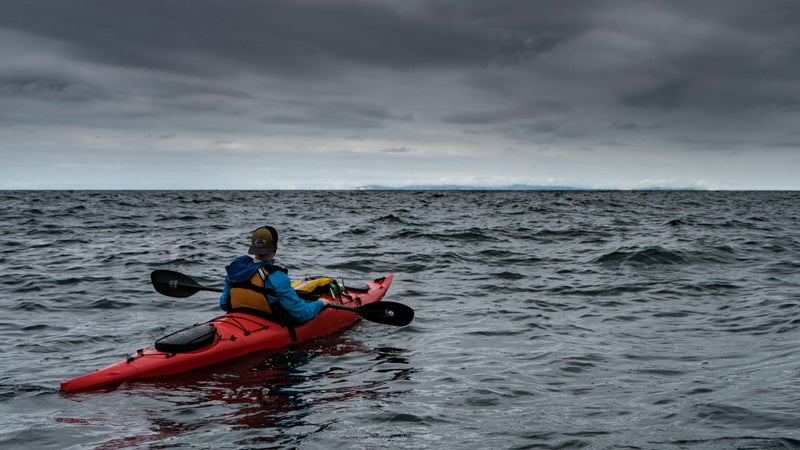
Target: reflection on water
278,398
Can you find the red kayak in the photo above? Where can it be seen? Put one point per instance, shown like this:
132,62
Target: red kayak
235,334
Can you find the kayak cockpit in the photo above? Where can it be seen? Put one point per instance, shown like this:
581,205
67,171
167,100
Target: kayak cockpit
188,339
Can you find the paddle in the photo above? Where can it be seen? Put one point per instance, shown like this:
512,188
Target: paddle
387,313
176,284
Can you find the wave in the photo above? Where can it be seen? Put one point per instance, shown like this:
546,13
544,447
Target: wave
743,442
648,256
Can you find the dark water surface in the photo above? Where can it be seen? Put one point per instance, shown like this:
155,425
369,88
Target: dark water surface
543,320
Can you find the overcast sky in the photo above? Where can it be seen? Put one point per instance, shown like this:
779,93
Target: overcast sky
234,94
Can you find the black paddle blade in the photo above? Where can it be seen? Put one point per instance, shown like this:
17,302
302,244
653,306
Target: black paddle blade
175,284
387,313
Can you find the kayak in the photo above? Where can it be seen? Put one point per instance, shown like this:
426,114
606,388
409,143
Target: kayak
229,336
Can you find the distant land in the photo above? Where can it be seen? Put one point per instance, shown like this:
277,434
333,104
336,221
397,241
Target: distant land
511,187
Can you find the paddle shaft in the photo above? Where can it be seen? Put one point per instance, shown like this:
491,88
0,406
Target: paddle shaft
211,289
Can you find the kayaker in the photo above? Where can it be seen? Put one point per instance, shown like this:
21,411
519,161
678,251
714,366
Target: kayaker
256,284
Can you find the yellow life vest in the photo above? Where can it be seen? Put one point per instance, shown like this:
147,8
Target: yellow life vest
250,296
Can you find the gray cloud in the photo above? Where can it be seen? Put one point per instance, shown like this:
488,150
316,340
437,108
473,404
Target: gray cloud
295,37
669,95
434,76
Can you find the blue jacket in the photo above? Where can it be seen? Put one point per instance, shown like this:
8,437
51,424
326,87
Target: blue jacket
244,267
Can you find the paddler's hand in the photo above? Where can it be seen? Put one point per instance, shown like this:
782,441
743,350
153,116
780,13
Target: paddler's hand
325,302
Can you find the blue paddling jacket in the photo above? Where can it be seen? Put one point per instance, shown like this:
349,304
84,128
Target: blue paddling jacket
260,285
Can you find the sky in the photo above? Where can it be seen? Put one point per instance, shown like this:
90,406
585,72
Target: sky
306,94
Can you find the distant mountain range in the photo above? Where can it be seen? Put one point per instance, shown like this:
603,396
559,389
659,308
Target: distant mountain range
511,187
457,187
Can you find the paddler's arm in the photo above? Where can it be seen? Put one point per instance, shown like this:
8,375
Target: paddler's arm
225,298
298,308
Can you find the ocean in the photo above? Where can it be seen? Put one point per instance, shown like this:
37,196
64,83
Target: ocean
580,319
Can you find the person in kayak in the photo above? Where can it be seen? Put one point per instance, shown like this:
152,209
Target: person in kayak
255,284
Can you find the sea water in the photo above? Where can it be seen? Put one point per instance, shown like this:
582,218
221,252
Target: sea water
543,320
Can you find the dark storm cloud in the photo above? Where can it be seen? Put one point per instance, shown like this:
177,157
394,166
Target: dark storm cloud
536,109
564,69
722,57
737,41
346,114
668,95
49,88
293,36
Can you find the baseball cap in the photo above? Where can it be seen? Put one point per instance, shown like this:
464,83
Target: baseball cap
263,241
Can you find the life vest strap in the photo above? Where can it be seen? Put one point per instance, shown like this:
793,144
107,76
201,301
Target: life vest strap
279,315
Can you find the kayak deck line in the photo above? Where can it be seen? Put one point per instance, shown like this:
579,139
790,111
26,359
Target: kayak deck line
234,319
